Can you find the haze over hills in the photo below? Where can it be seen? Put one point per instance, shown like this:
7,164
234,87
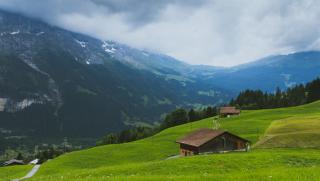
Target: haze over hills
55,82
281,71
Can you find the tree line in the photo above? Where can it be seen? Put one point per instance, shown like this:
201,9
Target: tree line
294,96
42,152
248,99
174,118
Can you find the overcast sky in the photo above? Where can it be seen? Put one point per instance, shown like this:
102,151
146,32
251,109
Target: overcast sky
214,32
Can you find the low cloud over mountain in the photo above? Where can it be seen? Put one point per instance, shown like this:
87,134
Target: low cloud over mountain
212,32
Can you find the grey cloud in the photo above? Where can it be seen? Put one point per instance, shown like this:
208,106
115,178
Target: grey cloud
135,12
216,32
140,12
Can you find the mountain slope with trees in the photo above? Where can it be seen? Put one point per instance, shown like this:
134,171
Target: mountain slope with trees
55,83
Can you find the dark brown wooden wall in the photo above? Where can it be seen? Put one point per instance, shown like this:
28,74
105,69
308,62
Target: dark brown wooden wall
225,142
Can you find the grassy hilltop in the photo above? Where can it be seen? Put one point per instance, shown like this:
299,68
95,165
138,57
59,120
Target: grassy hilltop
285,140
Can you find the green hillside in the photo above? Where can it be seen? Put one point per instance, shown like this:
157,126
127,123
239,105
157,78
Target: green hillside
146,159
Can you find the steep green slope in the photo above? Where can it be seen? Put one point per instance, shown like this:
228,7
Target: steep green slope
144,157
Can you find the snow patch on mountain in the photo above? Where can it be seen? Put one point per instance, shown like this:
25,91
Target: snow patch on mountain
108,48
112,50
3,102
25,103
40,33
15,32
81,43
10,105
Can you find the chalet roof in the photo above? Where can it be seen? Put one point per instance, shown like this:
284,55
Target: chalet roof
230,110
200,137
13,161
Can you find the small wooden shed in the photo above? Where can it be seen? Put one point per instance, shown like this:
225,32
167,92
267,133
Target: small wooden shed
208,140
228,111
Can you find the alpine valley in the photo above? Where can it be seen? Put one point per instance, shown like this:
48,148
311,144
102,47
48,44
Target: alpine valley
55,83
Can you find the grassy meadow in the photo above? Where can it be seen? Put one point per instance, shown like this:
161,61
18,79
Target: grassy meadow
12,172
285,147
280,164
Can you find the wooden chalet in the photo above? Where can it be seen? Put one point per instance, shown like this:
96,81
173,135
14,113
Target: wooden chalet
228,111
208,140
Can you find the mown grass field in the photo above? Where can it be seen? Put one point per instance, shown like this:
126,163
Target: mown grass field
9,173
146,159
301,132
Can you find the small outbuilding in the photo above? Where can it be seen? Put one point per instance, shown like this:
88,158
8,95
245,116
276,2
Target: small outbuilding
228,111
13,162
209,141
34,162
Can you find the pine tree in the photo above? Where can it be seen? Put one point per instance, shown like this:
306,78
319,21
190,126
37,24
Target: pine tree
313,90
19,157
192,115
